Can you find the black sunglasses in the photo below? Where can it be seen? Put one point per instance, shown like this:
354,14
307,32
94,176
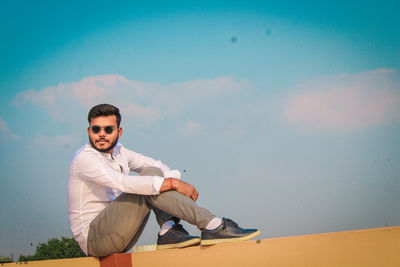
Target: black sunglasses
108,129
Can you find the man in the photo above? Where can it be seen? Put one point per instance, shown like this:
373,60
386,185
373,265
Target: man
108,208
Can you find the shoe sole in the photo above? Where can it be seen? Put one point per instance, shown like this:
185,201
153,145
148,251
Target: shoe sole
229,240
188,243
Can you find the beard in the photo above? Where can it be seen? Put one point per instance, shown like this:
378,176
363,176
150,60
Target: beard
107,149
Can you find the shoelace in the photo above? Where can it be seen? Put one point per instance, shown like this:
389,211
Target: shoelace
180,228
230,222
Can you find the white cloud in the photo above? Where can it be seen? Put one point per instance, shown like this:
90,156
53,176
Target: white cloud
142,103
93,90
142,116
190,128
5,131
346,102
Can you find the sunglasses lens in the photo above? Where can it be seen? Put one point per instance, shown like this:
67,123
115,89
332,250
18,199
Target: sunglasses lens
108,129
96,129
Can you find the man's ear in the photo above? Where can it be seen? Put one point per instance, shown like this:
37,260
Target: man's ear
88,129
119,132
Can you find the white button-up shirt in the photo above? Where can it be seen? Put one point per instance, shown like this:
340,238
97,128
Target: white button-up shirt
96,179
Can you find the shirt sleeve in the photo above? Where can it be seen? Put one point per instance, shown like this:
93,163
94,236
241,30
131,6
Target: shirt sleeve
137,162
92,167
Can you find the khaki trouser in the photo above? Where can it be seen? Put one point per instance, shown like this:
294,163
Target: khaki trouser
118,227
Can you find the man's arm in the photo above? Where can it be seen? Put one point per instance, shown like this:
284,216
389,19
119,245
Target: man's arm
137,162
90,165
180,186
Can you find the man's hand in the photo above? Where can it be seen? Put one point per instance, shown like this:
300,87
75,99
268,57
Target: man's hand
180,186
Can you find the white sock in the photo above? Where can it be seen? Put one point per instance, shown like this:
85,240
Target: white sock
214,223
166,226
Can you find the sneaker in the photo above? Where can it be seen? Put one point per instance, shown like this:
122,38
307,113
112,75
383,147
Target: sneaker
176,237
228,231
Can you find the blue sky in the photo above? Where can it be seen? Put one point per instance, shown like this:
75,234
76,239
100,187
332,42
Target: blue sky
286,116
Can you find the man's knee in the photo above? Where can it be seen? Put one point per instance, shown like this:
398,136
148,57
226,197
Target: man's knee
151,171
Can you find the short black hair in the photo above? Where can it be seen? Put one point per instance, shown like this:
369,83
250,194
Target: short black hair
104,110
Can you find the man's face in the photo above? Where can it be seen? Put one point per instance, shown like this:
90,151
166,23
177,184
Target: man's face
100,139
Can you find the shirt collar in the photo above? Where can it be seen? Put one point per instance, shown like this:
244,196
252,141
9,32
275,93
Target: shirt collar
116,150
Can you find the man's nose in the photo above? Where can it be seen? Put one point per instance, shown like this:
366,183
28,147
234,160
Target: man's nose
102,132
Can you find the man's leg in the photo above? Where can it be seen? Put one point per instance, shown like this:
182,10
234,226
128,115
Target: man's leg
118,225
172,234
161,216
182,207
172,205
137,235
